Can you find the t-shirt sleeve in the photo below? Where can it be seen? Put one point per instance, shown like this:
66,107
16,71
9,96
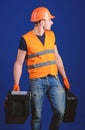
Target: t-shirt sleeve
22,44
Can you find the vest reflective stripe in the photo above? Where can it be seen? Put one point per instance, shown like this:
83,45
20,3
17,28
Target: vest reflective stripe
39,54
41,64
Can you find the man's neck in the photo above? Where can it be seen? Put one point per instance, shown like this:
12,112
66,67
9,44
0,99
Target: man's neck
38,31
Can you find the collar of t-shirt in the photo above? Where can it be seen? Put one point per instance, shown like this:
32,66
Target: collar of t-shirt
41,38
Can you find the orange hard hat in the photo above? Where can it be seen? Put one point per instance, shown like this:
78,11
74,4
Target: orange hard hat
40,13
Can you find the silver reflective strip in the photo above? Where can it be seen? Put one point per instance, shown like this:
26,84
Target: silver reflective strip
39,53
41,64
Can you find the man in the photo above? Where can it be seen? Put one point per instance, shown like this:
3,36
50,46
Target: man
38,48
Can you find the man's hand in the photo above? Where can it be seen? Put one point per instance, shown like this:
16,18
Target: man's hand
66,83
16,87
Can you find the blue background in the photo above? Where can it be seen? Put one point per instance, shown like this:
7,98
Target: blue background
69,28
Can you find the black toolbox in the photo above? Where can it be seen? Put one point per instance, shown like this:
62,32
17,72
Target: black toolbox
71,105
17,107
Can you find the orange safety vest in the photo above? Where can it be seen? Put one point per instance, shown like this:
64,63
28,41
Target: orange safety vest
40,59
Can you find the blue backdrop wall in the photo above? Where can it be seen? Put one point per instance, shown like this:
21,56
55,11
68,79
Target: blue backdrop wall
69,29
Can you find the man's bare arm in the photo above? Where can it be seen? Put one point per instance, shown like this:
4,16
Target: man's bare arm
18,66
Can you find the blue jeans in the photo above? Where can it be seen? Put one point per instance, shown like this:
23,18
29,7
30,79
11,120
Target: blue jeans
52,87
